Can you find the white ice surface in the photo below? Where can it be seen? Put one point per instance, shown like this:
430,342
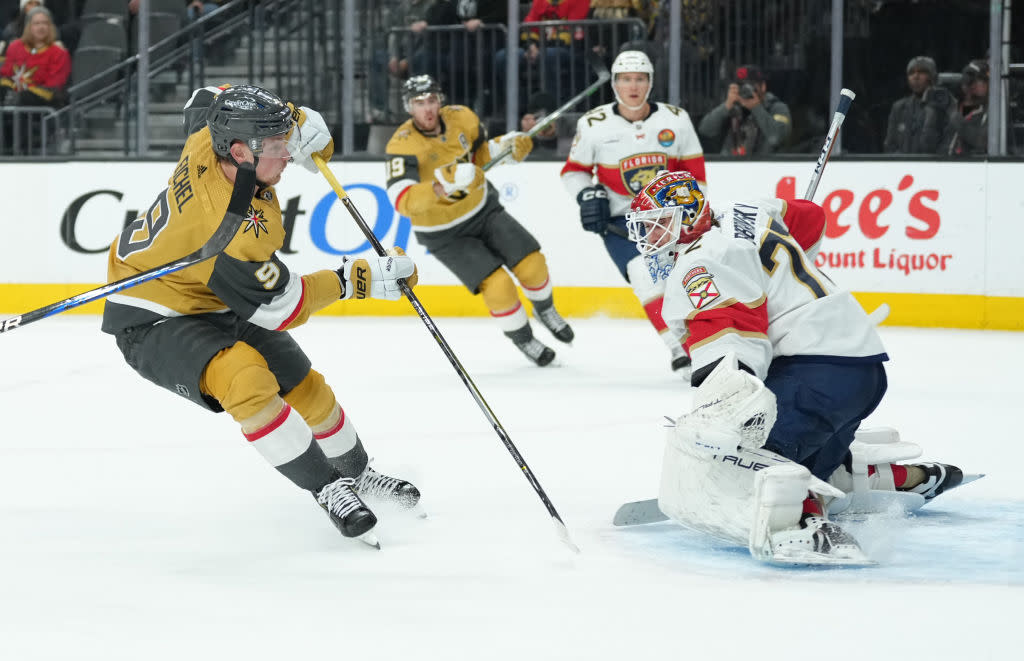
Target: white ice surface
134,525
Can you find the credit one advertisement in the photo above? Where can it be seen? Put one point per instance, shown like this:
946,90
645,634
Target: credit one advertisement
908,227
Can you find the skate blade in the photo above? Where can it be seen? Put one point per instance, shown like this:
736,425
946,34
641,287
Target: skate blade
369,539
794,557
968,478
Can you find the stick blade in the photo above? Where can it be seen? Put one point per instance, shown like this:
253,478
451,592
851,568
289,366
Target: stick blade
598,65
563,534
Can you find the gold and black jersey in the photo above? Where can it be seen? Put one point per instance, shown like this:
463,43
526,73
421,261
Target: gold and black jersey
247,278
413,157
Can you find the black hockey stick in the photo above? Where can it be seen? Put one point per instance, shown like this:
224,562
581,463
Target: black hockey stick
241,195
603,76
563,532
846,97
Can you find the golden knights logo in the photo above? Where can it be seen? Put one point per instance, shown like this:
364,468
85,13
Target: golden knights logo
256,222
638,170
22,77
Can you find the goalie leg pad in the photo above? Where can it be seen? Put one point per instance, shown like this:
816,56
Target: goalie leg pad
713,493
867,476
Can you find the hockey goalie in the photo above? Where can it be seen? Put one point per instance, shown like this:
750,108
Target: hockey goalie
786,366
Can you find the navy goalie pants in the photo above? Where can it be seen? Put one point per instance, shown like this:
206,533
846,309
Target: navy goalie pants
820,406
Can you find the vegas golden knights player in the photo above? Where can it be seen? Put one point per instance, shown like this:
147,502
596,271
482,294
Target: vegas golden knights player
434,177
216,333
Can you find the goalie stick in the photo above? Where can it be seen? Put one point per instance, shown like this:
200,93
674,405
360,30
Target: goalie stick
603,76
561,530
241,195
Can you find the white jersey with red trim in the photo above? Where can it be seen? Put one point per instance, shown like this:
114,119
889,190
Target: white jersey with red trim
626,155
747,286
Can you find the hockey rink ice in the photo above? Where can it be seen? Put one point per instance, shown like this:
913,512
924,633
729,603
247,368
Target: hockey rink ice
134,525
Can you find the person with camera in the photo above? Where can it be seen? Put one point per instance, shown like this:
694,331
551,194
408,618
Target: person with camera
967,132
752,120
918,120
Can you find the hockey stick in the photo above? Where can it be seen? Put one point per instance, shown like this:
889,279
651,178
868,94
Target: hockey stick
603,76
563,532
241,195
846,97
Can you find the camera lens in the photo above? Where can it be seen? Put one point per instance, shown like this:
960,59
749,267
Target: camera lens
746,91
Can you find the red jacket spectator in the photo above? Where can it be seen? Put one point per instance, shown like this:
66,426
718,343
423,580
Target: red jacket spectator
34,63
557,10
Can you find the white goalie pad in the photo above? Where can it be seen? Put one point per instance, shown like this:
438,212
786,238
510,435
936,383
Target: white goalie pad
865,494
718,494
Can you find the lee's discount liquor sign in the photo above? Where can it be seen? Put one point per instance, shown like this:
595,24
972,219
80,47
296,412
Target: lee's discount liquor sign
891,227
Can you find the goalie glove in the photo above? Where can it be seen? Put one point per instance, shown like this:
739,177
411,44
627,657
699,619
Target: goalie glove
309,136
595,212
376,277
457,178
520,145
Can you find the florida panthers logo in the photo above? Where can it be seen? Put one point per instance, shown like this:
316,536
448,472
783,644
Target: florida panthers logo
638,170
682,192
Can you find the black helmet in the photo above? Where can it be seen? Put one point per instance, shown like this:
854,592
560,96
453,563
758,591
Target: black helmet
246,114
420,86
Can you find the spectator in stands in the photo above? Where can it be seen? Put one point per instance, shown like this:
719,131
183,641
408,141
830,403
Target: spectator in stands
480,47
918,121
35,70
416,51
16,24
545,143
558,44
752,120
967,133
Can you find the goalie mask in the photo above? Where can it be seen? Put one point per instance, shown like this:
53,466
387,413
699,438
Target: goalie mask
671,209
632,61
418,87
247,114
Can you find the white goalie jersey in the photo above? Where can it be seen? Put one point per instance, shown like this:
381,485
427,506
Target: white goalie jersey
746,286
624,156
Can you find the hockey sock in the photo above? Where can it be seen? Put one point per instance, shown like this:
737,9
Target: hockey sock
287,443
905,477
338,438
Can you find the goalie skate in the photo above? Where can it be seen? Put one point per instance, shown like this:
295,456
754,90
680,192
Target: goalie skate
347,511
817,542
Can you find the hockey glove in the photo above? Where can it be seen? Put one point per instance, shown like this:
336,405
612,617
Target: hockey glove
375,277
519,143
459,178
309,136
595,213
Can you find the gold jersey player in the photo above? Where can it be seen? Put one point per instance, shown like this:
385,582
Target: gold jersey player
216,333
434,177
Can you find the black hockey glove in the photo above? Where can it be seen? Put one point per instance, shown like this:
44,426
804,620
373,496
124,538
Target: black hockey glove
594,210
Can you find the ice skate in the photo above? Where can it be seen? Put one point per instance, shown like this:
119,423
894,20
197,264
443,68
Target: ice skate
936,479
384,488
524,340
347,511
817,541
554,322
680,361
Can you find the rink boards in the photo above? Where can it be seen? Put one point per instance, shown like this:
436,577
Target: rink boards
939,242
